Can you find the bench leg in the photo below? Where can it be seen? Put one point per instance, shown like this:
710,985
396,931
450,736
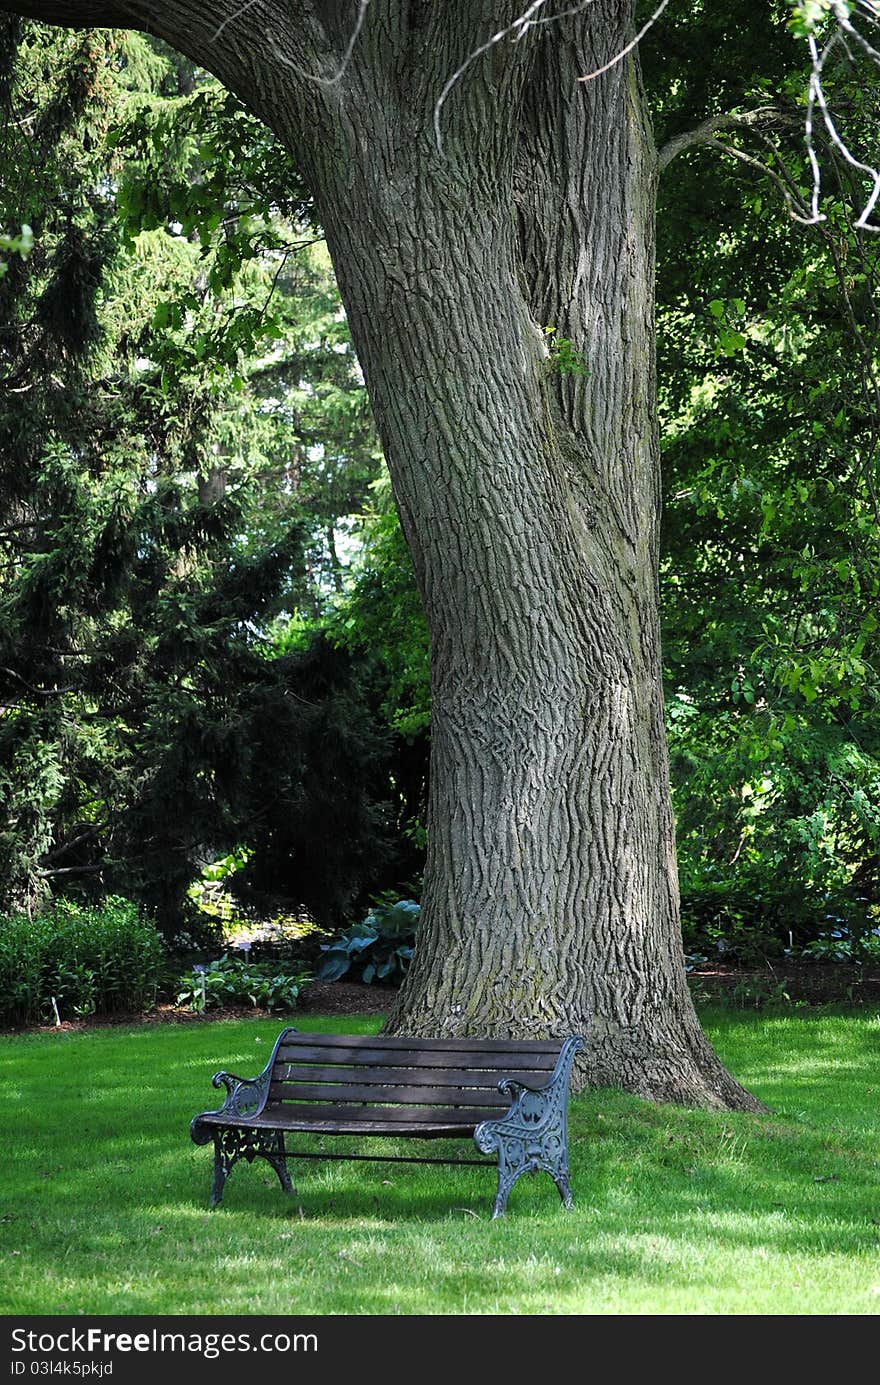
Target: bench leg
278,1159
234,1144
533,1134
517,1156
562,1183
223,1161
507,1176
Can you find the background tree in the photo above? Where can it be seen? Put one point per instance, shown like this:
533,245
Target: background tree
769,406
171,489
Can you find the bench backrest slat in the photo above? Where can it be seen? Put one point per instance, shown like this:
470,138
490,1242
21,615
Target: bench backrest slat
391,1096
377,1055
393,1041
371,1077
407,1076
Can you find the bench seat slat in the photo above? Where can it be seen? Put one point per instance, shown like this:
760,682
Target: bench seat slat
377,1054
386,1115
363,1120
386,1095
437,1130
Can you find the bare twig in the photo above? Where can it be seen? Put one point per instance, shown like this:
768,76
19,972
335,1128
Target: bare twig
516,31
816,98
237,14
363,6
618,57
860,39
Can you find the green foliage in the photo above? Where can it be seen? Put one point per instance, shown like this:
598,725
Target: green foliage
315,797
82,960
381,616
381,622
184,440
20,244
211,896
770,575
759,994
231,981
564,356
727,317
841,945
378,949
808,16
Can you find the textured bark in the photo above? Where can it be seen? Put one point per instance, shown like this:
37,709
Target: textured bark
529,497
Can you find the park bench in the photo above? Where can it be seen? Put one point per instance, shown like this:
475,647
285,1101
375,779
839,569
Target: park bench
509,1095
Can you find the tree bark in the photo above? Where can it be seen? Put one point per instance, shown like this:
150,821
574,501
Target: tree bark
528,493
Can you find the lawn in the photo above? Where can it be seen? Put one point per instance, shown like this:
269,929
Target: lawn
103,1205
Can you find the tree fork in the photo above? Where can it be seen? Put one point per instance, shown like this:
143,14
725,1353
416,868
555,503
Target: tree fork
528,489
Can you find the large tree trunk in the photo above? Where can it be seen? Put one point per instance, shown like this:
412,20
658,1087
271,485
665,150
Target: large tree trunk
530,500
529,497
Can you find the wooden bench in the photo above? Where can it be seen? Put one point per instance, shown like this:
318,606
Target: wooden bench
509,1095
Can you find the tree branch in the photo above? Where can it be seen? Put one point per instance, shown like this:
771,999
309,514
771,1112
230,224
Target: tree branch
37,692
79,14
796,210
704,133
76,841
74,870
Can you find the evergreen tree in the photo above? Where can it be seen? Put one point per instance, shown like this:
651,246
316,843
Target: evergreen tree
182,428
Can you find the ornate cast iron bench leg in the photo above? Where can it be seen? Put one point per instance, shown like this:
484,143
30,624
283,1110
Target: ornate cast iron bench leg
231,1145
534,1133
245,1098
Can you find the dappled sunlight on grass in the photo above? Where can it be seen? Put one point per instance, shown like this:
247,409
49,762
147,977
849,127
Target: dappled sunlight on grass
677,1211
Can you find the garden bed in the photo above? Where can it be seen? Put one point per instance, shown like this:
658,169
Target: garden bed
321,998
781,983
787,981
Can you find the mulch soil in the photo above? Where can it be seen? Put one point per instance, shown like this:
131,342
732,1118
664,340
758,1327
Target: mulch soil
800,983
786,982
321,998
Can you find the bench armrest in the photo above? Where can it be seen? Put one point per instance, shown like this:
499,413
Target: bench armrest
532,1109
533,1134
245,1096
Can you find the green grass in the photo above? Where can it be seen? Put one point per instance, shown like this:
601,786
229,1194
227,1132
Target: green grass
104,1197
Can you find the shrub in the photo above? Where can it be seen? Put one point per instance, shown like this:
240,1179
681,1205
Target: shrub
378,949
229,981
751,919
844,945
89,960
